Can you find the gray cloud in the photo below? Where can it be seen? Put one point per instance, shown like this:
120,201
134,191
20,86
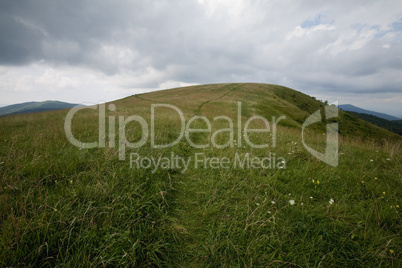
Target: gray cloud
314,46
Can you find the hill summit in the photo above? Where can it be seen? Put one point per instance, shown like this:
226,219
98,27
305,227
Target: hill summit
266,100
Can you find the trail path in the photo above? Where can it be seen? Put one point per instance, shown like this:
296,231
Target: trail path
190,220
190,216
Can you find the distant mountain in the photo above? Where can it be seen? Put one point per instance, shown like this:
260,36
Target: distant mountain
34,107
394,126
351,108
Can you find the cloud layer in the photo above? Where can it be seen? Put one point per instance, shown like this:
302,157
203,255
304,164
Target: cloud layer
89,51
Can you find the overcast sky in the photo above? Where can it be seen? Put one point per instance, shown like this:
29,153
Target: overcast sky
91,51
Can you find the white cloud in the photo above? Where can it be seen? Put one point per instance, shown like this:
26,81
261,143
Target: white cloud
300,32
173,84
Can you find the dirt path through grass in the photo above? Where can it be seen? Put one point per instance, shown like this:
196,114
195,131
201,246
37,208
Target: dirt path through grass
198,110
191,216
189,221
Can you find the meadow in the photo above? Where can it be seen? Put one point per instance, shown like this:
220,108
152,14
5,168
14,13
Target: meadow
66,206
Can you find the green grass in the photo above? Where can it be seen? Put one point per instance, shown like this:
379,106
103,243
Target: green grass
68,207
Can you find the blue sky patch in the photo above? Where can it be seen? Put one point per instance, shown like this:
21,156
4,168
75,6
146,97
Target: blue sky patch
397,26
312,22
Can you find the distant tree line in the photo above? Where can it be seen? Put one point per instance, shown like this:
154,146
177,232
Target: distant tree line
394,126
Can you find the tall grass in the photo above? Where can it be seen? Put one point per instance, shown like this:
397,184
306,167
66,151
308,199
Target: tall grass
66,206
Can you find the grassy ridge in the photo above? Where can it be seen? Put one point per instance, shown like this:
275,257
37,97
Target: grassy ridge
66,206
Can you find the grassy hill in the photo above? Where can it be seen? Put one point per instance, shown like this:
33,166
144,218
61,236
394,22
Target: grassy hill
34,107
64,205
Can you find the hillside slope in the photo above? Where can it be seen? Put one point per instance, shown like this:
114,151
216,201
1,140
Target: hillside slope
212,198
257,99
394,126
